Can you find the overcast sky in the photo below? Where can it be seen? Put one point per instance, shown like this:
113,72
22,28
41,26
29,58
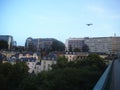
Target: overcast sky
59,19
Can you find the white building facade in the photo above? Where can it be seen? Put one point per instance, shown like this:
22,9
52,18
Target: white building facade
45,64
74,43
76,56
103,44
96,44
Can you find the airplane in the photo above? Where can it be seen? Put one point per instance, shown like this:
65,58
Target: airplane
89,24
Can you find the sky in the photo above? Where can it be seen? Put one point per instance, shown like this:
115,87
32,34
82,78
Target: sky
60,19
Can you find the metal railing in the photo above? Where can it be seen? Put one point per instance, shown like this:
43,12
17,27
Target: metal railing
104,79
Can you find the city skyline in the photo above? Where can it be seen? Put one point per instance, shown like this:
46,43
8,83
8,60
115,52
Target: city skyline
60,19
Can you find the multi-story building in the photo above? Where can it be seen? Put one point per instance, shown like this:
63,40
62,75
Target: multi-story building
40,43
74,43
103,44
76,56
96,44
47,62
33,61
29,43
8,39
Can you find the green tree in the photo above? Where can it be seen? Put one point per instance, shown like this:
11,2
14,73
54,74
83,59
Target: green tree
85,48
96,61
76,50
4,74
61,62
12,75
18,73
74,75
70,48
57,46
29,83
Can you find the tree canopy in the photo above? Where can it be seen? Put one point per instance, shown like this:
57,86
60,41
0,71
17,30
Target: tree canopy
12,75
85,48
73,75
70,48
76,50
57,46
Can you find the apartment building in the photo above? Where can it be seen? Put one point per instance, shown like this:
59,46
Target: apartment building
76,56
34,63
96,44
103,44
74,43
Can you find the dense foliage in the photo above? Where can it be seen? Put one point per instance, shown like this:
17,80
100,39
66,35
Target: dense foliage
57,46
11,76
85,48
74,75
76,50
